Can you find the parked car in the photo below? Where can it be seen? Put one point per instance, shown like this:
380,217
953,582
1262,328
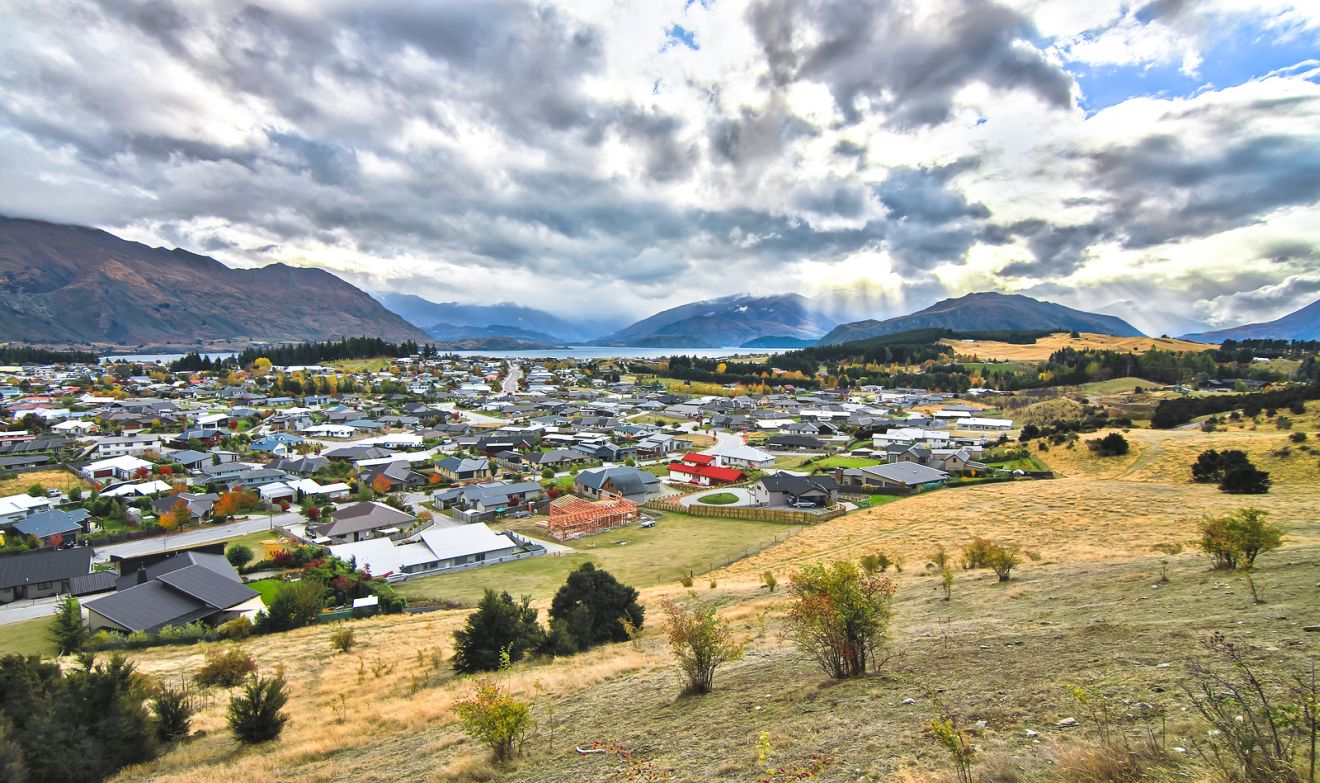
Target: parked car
648,523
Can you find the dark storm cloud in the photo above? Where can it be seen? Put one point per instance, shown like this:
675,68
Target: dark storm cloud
879,51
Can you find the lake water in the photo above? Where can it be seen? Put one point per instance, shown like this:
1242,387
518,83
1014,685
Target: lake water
580,352
163,358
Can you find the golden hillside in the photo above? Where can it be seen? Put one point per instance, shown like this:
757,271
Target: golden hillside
987,350
1091,610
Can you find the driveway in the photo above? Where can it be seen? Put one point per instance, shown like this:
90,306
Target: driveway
18,611
744,497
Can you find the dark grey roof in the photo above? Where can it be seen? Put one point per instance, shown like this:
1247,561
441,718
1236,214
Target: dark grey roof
95,582
44,565
216,563
799,485
149,606
209,587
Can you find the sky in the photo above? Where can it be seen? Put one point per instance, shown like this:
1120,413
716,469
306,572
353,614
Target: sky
610,158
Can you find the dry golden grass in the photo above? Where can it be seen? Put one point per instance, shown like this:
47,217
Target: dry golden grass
1042,348
1091,611
50,479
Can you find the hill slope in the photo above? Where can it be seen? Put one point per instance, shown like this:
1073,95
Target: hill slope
728,321
452,320
1303,324
987,312
71,284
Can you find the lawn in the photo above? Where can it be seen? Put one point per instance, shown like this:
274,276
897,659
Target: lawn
833,463
27,637
638,556
268,588
1028,463
719,499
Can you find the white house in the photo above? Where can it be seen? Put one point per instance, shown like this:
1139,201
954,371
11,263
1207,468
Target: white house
742,456
979,423
116,467
438,549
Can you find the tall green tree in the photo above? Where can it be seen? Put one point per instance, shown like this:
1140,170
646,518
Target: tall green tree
499,625
67,630
592,605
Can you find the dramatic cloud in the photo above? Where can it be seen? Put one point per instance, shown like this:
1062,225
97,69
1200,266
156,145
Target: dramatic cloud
604,159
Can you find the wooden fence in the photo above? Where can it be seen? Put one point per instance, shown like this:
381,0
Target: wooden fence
744,512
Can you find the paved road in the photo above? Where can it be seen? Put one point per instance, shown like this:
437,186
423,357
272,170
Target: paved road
19,611
510,383
724,440
202,535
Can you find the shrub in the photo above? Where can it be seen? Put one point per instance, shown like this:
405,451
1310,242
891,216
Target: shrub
1210,465
592,603
225,669
236,629
977,554
239,555
1003,559
1111,445
840,617
498,628
1238,538
875,563
256,713
687,578
700,642
67,630
173,709
1297,437
768,579
295,605
342,638
494,717
1245,480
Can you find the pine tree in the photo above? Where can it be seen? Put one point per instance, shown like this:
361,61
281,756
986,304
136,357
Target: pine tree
67,631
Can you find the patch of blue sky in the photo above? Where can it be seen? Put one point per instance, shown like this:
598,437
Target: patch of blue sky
680,36
1251,51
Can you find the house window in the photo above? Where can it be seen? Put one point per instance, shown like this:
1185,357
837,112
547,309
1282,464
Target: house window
45,585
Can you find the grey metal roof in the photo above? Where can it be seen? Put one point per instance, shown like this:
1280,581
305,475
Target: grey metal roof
208,586
95,582
48,523
44,565
148,606
909,473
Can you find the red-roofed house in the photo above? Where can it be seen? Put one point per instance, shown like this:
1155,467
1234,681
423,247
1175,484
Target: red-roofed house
703,475
694,460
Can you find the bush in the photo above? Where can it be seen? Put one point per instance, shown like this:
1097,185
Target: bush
840,617
1245,480
295,605
1297,437
342,638
1003,559
494,717
239,555
977,554
236,629
255,713
592,605
1238,538
701,643
499,628
769,580
1111,445
67,630
173,709
876,563
225,669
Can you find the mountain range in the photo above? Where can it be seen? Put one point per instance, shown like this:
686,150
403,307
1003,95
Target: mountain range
987,312
1303,324
455,321
725,322
75,285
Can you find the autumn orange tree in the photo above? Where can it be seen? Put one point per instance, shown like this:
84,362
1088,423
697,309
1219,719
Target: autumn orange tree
381,484
175,517
232,502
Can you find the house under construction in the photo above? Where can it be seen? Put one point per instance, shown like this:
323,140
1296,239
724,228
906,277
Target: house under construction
573,517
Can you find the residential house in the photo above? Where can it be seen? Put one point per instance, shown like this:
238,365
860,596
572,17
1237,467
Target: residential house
895,475
394,477
437,550
41,573
786,489
187,587
464,469
361,521
742,456
632,484
53,528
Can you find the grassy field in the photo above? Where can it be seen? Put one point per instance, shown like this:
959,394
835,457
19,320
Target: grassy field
268,588
361,365
27,638
1092,610
1117,386
50,479
1042,348
638,556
